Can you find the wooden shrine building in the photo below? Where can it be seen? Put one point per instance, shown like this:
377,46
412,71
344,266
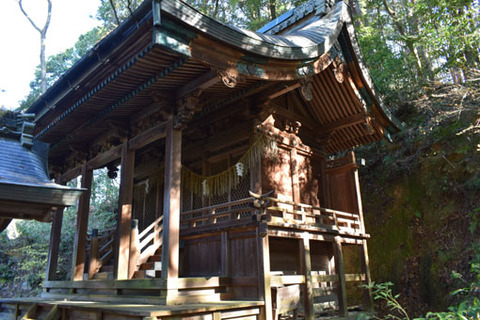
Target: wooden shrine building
239,196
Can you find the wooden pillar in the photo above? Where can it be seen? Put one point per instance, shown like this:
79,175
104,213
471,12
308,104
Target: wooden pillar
367,293
225,252
294,174
171,210
324,202
256,175
94,256
341,284
306,270
124,218
263,260
363,250
359,198
134,245
205,173
79,244
55,237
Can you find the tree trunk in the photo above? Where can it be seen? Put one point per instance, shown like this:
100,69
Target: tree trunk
356,10
215,12
272,9
43,36
114,9
43,64
402,31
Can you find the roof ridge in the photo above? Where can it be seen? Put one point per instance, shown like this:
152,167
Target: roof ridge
293,15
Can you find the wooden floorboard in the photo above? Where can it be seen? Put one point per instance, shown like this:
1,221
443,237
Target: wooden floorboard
137,310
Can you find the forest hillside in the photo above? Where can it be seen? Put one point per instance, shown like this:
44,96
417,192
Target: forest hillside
421,197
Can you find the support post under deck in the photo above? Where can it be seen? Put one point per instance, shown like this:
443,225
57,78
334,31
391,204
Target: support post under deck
263,258
306,270
340,271
367,293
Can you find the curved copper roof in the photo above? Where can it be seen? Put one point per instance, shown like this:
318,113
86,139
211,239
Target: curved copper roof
307,42
167,48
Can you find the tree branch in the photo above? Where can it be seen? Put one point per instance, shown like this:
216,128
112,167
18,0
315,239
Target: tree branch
28,17
129,7
49,17
112,5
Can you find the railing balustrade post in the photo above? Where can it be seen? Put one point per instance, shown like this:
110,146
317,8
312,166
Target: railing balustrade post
94,254
157,229
335,221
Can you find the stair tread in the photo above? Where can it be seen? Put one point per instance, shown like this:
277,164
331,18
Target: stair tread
147,274
103,275
106,269
155,257
152,265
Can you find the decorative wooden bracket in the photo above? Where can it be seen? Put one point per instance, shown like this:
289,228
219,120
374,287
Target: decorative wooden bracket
230,77
79,151
186,106
261,202
182,118
292,126
340,69
306,89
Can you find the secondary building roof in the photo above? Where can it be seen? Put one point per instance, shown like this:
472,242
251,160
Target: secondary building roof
26,191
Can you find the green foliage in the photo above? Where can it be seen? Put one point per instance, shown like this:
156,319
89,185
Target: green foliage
103,201
112,12
475,223
419,41
451,31
393,76
383,292
58,64
420,195
468,296
249,14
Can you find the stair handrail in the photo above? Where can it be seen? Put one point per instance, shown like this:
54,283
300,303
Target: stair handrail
148,241
99,249
150,227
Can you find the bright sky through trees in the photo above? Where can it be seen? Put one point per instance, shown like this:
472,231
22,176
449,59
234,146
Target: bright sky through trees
20,42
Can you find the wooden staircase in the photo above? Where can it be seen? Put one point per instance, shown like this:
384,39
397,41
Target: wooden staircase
105,273
36,312
152,268
147,251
